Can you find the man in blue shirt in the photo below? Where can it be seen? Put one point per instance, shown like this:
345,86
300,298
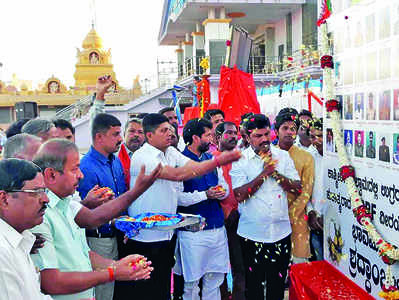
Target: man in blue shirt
101,167
202,254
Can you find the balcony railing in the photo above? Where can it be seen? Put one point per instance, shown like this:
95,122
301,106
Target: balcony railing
257,64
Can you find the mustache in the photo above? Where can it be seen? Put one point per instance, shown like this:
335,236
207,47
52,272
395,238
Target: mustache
44,207
136,139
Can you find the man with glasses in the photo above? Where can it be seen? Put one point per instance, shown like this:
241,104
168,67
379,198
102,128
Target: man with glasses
22,206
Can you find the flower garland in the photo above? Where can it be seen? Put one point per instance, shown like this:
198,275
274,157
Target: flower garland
388,252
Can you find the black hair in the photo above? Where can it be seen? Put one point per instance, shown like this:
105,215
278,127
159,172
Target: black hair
285,115
14,172
257,121
166,109
141,116
152,121
246,116
102,123
64,124
305,112
15,128
317,124
213,112
195,127
221,128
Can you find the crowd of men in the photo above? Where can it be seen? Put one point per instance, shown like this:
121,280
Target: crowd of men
261,199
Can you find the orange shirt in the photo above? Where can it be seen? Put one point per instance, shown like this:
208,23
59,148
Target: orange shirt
230,203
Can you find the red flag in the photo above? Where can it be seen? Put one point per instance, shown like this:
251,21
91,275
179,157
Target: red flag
237,94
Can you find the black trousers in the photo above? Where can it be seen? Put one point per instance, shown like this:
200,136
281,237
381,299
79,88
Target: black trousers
265,262
161,254
236,259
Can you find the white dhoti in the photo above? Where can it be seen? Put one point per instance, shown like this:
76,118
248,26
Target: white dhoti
202,254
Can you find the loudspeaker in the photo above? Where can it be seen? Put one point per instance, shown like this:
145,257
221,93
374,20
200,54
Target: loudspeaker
26,110
240,48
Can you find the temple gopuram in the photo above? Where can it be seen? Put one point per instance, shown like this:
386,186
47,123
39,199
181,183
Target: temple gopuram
53,96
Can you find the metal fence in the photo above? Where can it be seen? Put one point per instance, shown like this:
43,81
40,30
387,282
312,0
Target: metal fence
256,65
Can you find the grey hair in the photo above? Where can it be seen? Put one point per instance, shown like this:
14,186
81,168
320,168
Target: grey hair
37,126
53,154
18,143
132,120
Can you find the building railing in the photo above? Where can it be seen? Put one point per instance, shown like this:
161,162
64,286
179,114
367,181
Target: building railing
76,110
257,64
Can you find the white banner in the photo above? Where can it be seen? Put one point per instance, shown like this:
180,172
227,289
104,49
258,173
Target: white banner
366,50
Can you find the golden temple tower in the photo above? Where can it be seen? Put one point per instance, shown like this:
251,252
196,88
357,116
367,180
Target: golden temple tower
93,62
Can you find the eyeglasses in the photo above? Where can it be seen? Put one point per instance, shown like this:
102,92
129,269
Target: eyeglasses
37,191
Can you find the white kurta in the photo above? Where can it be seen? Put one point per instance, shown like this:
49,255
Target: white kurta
198,253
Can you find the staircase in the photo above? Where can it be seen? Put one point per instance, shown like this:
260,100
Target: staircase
76,110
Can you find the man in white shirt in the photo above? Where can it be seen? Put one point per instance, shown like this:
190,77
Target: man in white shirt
161,197
303,139
22,206
317,206
261,179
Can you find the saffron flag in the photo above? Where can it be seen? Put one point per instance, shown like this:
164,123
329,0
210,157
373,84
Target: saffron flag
325,12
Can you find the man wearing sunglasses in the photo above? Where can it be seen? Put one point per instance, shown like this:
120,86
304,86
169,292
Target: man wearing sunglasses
22,206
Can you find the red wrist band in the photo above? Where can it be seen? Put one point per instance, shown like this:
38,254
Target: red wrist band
111,273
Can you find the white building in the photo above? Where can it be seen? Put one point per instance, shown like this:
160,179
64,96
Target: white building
284,49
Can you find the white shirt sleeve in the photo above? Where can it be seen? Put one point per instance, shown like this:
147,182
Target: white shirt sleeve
237,174
98,107
289,168
179,159
75,208
187,199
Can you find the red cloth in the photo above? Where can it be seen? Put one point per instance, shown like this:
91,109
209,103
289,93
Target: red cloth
237,94
125,160
191,113
205,95
230,203
319,280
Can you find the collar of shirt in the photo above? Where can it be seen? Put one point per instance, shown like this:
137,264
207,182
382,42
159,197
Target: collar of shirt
100,157
130,153
249,153
24,240
187,152
55,201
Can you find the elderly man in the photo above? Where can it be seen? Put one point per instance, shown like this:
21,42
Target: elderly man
67,265
23,146
22,205
40,127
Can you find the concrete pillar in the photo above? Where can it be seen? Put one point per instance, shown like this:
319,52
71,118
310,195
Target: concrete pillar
218,31
198,47
188,56
180,59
